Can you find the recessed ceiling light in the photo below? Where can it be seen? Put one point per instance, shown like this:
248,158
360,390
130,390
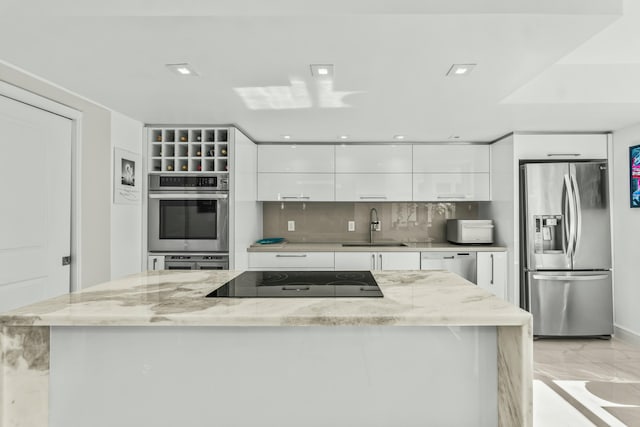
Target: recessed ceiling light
454,137
398,136
460,70
322,70
286,136
343,136
182,69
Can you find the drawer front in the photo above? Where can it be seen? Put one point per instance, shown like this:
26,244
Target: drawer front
291,260
355,261
302,187
454,187
296,158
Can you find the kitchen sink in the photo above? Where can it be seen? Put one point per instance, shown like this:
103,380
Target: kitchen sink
375,244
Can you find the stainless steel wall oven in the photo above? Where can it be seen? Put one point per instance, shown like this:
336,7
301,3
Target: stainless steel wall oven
188,213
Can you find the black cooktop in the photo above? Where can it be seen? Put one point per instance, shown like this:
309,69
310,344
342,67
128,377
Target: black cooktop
300,284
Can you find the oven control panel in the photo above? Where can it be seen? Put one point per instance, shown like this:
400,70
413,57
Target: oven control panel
188,182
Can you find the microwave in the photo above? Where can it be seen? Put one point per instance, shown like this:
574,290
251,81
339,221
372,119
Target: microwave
188,213
470,231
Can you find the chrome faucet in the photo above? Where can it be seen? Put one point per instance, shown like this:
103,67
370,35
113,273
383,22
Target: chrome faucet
373,225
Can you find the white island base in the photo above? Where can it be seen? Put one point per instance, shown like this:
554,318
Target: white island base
273,376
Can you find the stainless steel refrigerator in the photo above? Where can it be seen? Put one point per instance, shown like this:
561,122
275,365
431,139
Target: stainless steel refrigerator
566,250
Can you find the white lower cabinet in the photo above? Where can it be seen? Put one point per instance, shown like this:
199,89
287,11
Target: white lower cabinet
346,261
454,187
492,272
291,261
303,187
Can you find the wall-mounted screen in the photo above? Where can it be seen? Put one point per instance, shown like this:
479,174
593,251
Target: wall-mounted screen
634,175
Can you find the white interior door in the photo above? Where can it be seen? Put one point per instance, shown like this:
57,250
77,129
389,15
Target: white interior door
35,218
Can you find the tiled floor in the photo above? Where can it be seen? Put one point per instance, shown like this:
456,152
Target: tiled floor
588,382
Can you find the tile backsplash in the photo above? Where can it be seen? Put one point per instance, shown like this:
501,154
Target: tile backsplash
327,222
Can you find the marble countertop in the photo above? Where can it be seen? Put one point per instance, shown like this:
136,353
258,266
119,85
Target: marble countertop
337,247
161,298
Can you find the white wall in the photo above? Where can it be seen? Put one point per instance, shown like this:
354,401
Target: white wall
126,220
503,209
245,213
626,235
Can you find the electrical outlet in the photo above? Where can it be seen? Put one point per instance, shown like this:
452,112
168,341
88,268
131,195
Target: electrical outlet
351,226
291,226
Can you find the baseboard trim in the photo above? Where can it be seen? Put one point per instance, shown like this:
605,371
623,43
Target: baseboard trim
626,335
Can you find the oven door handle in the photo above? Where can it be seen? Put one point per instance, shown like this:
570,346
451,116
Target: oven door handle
189,196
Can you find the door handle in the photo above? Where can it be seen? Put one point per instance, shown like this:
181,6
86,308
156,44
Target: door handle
491,282
571,278
373,261
578,206
380,256
572,215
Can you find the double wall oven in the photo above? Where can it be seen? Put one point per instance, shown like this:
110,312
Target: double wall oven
188,217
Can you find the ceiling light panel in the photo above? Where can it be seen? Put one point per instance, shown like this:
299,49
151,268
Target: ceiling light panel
183,69
322,71
459,70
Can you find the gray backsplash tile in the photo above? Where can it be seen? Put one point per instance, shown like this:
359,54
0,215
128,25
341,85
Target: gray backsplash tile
327,222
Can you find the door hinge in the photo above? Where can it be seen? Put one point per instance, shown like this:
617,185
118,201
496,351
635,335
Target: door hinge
66,260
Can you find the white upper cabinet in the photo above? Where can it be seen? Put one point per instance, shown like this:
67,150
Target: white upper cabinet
296,158
561,146
452,187
373,158
369,187
450,158
296,187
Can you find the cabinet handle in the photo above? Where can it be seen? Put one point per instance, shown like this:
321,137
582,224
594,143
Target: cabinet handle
295,288
563,154
155,261
372,197
448,257
295,197
373,261
380,255
491,282
452,196
291,256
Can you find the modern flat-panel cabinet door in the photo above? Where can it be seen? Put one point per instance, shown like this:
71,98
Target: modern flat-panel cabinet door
450,158
452,187
369,187
561,146
398,260
373,159
492,272
347,261
296,158
303,187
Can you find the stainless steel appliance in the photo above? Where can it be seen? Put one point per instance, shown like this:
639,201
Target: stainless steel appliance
188,213
566,248
196,262
470,231
461,263
300,284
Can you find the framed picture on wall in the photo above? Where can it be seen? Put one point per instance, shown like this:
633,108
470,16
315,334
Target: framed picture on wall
634,175
126,177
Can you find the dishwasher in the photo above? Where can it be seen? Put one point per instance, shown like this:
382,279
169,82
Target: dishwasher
461,263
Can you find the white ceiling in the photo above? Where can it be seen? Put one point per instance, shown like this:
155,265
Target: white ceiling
548,65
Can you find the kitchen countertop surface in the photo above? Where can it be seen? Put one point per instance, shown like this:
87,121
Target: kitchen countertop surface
178,298
337,247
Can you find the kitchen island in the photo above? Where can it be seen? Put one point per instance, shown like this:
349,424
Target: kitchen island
149,349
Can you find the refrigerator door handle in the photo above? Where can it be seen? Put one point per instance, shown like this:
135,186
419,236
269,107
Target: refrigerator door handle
570,218
570,278
577,221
